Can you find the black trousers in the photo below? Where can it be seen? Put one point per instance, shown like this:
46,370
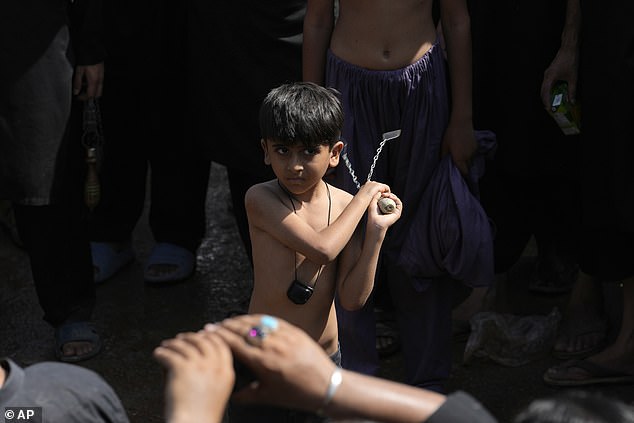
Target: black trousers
148,131
55,239
44,181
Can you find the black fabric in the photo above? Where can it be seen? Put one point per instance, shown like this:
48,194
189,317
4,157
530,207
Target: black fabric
55,239
607,79
51,228
239,51
28,26
461,407
146,125
66,393
530,187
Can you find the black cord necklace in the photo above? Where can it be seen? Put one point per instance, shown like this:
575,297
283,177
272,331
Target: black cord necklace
299,292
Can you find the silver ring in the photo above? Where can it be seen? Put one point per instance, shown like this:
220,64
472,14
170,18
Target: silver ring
268,325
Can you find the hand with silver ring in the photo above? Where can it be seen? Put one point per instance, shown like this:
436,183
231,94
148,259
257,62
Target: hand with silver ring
267,325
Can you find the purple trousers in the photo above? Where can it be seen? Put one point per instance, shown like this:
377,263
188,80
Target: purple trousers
415,100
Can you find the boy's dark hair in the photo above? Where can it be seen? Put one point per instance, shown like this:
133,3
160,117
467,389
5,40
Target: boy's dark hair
302,112
577,407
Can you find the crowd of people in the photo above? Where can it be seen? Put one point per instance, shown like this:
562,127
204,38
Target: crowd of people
336,108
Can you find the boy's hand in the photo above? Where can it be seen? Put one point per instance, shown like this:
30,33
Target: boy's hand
371,189
376,219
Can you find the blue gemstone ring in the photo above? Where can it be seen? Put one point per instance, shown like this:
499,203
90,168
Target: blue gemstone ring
256,334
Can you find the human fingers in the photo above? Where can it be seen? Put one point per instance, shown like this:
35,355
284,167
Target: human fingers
546,89
183,347
78,79
167,356
291,368
94,81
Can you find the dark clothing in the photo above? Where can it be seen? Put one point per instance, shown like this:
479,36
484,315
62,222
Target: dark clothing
66,393
55,238
414,99
607,139
40,169
239,51
530,186
28,26
34,112
461,407
145,123
426,313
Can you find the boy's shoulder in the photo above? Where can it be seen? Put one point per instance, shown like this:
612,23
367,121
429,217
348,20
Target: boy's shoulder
262,192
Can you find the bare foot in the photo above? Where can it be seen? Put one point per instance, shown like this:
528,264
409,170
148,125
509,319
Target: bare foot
72,349
583,329
76,341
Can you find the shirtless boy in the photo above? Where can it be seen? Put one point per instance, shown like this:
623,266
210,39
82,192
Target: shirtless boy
303,229
385,59
306,234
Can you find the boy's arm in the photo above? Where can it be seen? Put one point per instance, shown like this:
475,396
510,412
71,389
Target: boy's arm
268,213
318,25
565,64
358,262
459,139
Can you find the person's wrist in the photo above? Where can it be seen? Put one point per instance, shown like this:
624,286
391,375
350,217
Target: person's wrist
333,385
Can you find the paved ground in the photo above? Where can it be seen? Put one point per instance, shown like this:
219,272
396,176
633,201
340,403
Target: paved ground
133,318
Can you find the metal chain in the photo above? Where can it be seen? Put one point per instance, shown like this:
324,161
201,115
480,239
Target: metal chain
374,160
92,136
351,170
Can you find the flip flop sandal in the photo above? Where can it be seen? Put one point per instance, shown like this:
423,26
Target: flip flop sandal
600,328
108,261
165,253
76,332
594,374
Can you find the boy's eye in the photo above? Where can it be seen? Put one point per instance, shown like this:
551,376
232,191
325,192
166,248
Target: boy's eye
311,151
281,150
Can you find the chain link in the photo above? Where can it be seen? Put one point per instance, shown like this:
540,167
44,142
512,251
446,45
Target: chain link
386,138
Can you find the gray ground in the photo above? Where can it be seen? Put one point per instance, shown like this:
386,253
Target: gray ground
133,318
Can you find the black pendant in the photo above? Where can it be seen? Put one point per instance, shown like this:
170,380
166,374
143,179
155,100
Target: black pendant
299,292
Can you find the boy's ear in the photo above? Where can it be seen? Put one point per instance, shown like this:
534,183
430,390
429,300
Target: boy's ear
335,153
267,161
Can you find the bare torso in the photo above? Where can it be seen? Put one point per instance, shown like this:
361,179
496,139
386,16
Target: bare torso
274,271
383,34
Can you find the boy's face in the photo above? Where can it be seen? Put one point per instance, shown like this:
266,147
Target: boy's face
298,167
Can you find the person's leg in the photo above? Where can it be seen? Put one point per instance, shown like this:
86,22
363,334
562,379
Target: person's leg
56,242
583,328
424,321
55,238
122,175
613,364
124,162
47,199
179,175
357,334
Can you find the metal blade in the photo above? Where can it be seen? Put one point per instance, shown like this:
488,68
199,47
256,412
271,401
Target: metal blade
391,134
